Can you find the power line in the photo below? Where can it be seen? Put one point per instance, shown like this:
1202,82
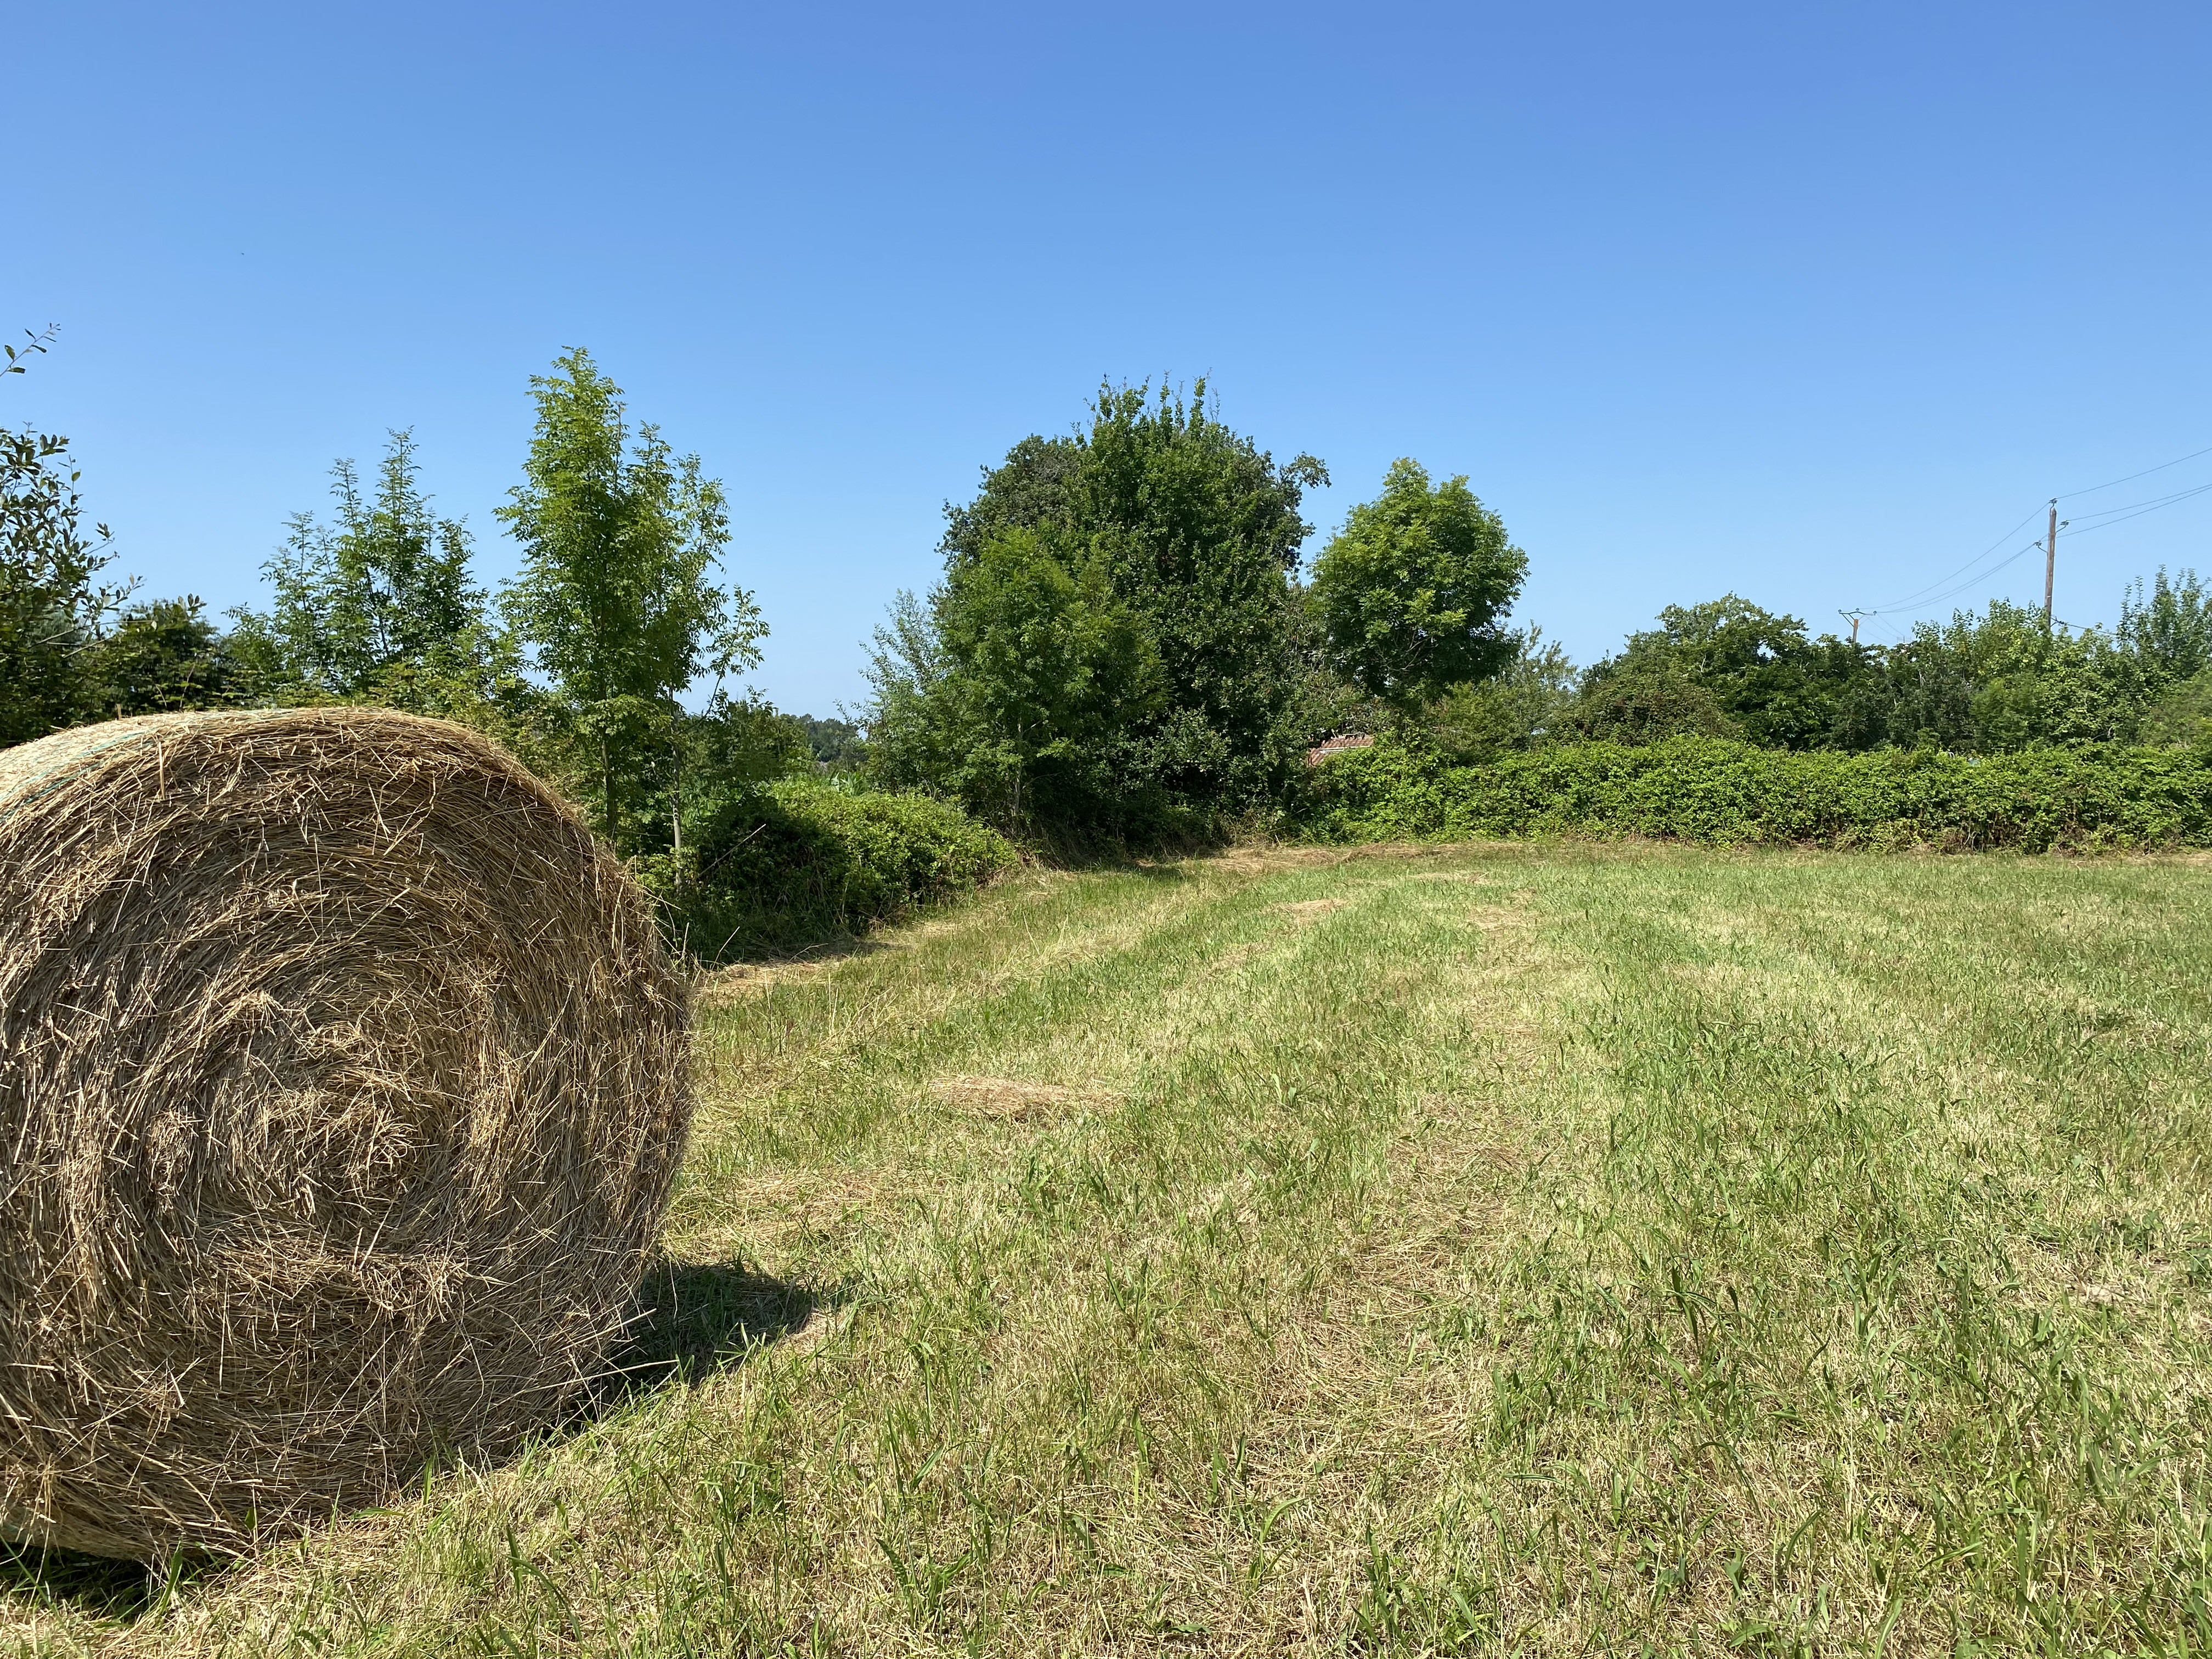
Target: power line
1952,585
1900,604
2034,547
1949,594
2141,507
2069,495
2155,500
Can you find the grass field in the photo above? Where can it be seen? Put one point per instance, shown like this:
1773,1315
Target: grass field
1501,1249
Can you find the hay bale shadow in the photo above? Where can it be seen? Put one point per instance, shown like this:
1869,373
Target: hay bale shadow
700,1318
100,1586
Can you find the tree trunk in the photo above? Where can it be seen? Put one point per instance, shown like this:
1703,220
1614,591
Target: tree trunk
607,789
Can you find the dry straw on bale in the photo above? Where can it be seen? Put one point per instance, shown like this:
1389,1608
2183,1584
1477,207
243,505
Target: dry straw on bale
343,1079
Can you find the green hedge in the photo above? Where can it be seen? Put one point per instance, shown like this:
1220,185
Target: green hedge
1730,794
798,862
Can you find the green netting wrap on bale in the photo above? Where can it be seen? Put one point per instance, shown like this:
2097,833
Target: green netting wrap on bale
343,1077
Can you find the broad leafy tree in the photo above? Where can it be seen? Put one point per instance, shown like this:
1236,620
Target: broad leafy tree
2005,683
1414,590
2169,627
1051,676
1520,705
1148,557
832,746
1727,667
1986,681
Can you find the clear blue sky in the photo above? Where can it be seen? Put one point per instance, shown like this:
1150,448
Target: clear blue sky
1809,302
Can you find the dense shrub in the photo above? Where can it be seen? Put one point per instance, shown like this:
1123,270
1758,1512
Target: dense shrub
797,862
1727,792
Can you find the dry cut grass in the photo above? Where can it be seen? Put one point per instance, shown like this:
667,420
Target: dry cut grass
1506,1250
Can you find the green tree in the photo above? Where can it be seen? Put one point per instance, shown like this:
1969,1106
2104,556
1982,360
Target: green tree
1520,705
834,746
1990,682
1018,689
616,597
2182,714
1727,667
1053,675
375,600
735,743
163,655
2170,627
1926,696
1414,589
2005,683
54,603
1173,539
909,716
380,607
1200,530
1642,699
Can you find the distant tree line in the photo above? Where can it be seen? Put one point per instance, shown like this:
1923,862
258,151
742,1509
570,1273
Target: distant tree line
1127,643
1992,683
1126,639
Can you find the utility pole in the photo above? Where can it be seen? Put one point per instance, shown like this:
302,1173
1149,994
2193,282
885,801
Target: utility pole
2049,562
1852,617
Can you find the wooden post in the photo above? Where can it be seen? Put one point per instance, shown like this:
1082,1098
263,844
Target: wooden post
2049,562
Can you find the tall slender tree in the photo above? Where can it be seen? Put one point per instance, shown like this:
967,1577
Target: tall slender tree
617,600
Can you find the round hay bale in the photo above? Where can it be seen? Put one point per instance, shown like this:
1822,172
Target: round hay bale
343,1076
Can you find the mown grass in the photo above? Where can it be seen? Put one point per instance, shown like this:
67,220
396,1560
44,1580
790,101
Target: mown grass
1502,1248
